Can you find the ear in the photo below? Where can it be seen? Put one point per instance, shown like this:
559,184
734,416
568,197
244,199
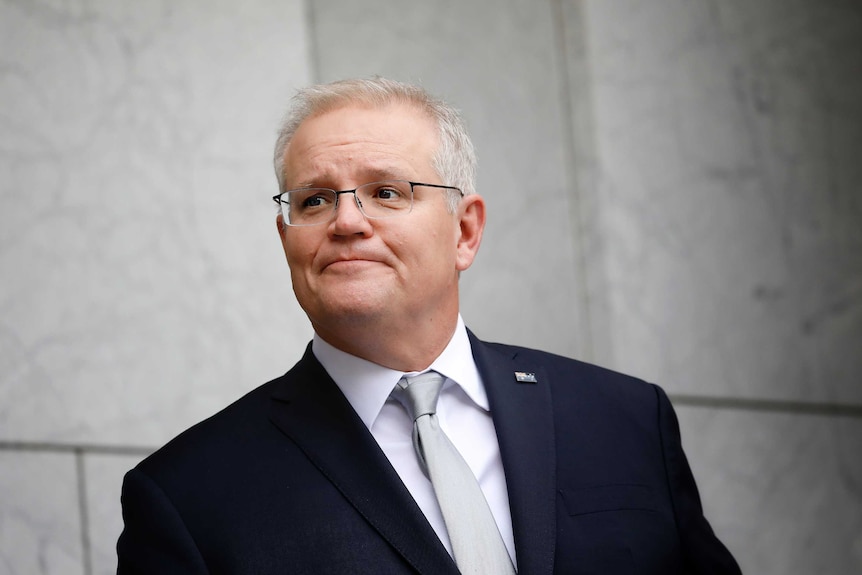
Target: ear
471,214
282,229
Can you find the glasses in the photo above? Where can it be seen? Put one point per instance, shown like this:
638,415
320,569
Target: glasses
377,200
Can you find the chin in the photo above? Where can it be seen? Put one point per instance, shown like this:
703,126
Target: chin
349,309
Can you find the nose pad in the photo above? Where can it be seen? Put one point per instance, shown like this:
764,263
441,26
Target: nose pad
346,215
356,201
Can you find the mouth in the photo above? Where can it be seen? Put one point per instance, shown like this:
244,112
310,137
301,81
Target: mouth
352,264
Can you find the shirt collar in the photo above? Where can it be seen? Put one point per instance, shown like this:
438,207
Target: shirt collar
367,385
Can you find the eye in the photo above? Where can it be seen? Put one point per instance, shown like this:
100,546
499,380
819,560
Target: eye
388,193
311,199
314,201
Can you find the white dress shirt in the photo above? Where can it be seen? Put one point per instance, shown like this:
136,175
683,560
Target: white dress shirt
462,410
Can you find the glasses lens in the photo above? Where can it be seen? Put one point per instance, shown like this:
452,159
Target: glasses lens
310,206
385,199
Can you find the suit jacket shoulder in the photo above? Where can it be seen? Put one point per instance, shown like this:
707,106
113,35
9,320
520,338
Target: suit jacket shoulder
285,480
624,496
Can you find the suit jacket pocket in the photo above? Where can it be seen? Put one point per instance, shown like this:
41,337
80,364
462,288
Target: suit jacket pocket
614,497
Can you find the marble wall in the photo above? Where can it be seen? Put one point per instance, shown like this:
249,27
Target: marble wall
143,285
675,191
718,156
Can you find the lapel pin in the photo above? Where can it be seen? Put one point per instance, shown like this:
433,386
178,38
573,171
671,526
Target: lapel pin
524,377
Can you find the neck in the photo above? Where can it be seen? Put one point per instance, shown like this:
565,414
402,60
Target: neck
411,347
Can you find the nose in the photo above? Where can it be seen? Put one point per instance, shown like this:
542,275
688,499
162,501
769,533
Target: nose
349,219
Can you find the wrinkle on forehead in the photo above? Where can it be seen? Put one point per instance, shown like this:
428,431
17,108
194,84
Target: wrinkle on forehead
330,178
341,148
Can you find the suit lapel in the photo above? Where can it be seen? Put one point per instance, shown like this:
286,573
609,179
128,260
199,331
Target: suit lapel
311,410
523,419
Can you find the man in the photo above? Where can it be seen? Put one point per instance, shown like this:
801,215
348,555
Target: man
570,468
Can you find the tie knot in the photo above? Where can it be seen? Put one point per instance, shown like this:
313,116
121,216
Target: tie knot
420,393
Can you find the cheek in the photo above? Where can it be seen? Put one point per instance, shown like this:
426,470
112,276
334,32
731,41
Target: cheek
299,262
437,253
299,250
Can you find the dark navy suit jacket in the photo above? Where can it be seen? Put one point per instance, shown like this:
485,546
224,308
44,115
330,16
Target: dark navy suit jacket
289,480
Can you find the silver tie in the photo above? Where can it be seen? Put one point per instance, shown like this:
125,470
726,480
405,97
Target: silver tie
476,541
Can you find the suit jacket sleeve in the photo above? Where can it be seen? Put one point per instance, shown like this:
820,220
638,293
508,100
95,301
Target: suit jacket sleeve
703,551
155,538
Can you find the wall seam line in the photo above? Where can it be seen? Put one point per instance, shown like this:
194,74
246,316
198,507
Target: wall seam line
84,516
312,43
781,406
75,448
585,332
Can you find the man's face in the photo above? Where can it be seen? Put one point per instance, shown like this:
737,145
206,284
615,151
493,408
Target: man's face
353,273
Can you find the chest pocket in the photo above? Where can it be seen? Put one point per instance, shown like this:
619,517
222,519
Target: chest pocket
616,528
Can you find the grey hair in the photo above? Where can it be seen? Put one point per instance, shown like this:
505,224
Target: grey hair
455,159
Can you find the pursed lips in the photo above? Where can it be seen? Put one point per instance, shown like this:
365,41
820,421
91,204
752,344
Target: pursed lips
350,262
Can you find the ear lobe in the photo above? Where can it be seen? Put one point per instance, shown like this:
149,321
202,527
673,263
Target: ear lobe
472,223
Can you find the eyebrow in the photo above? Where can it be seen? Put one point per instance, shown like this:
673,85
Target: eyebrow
373,174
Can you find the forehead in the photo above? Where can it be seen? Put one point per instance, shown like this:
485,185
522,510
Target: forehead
395,140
